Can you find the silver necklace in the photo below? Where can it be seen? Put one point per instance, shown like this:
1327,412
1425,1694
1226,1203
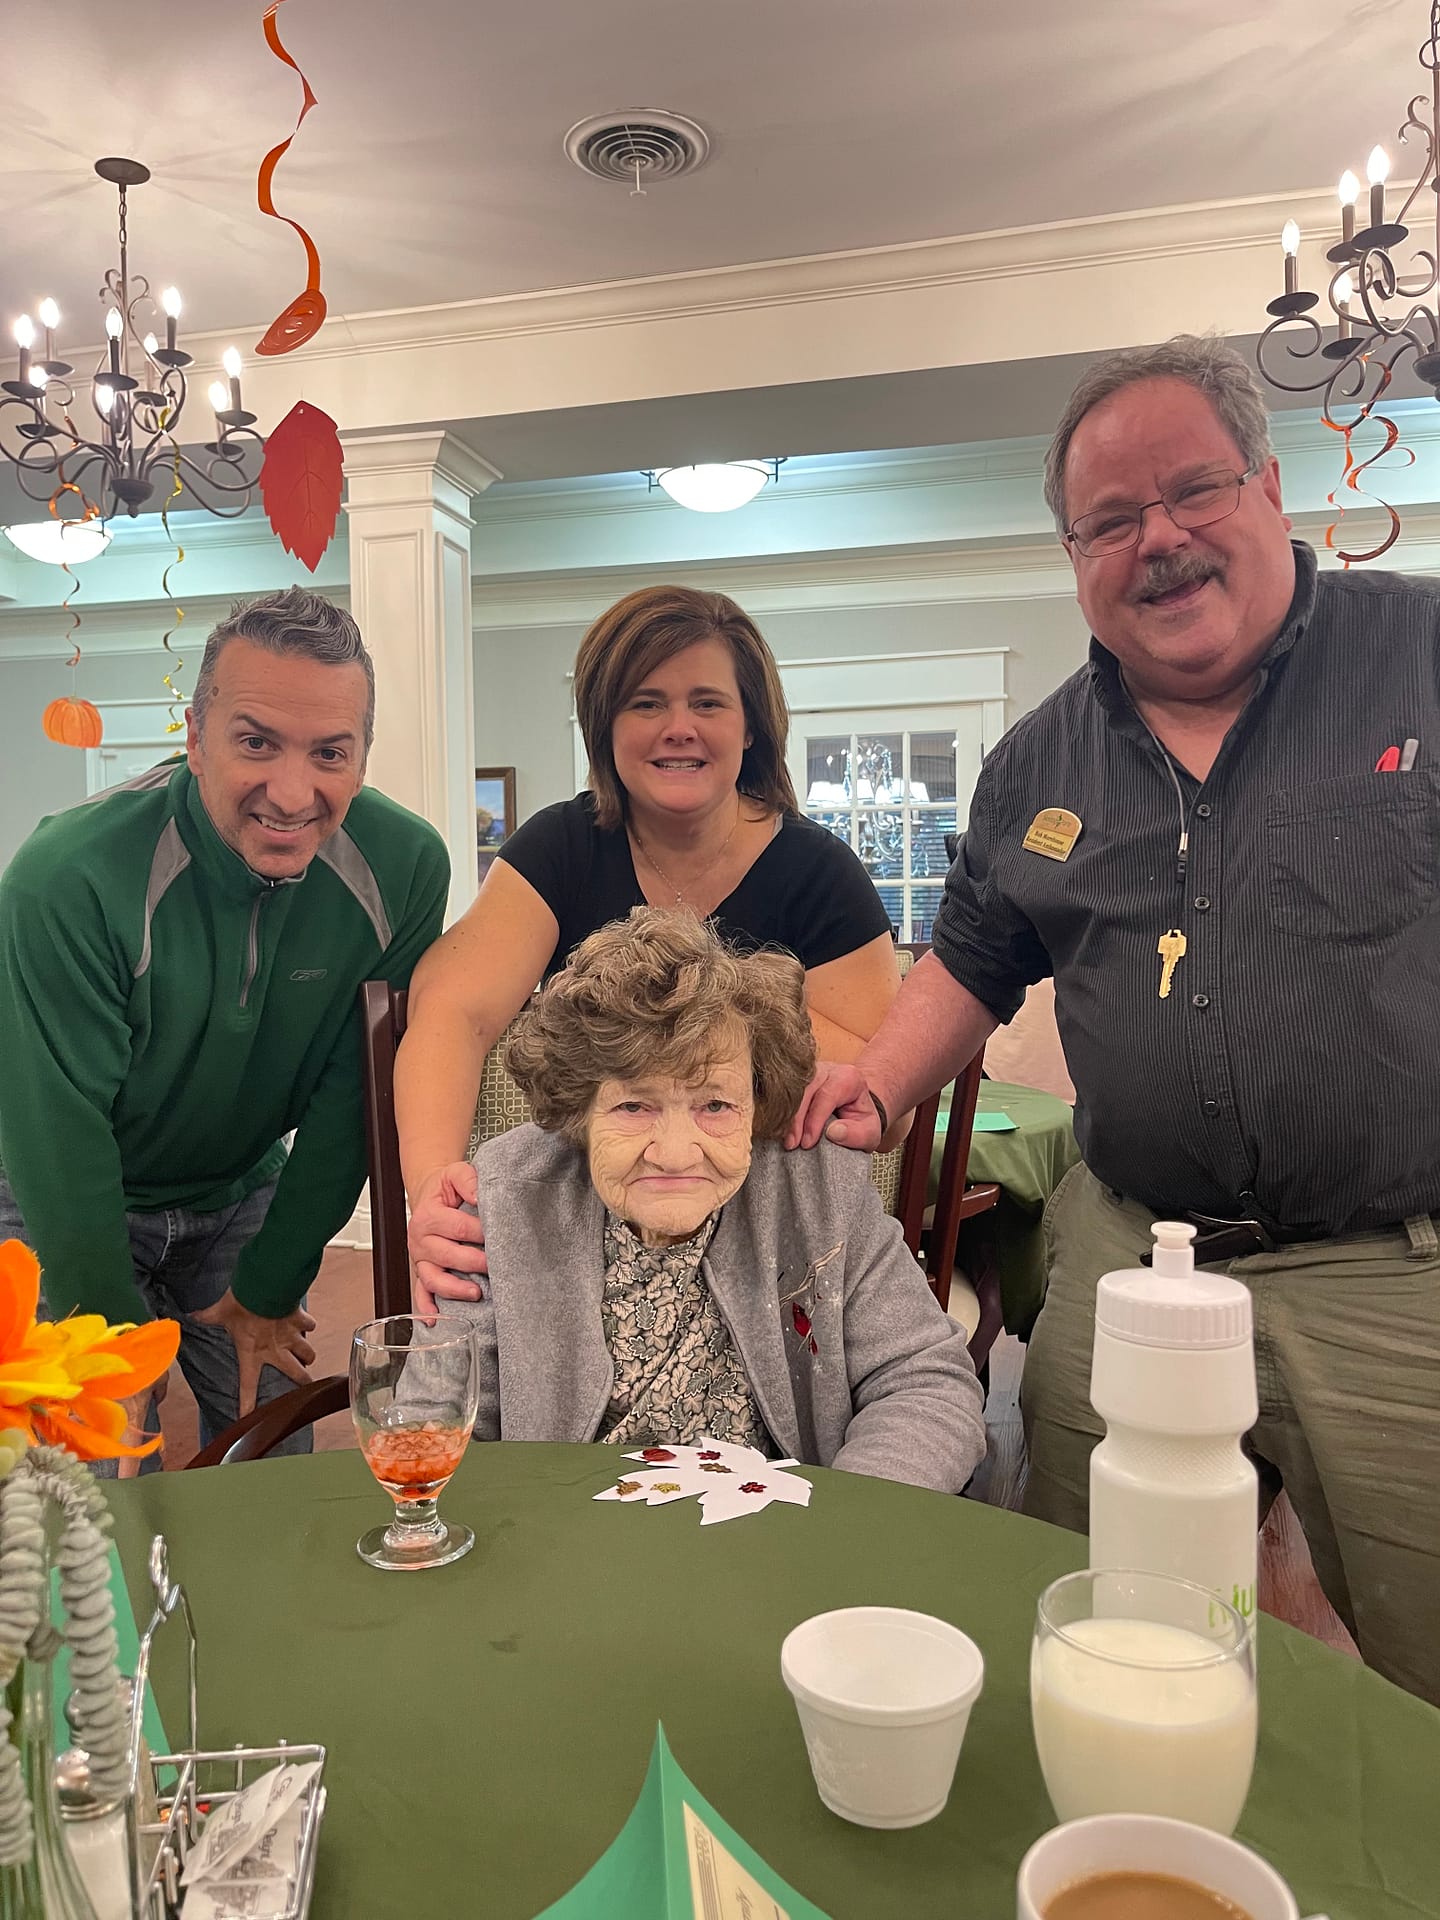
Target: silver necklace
704,872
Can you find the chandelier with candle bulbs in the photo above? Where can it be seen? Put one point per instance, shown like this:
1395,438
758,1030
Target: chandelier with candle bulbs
1382,299
137,394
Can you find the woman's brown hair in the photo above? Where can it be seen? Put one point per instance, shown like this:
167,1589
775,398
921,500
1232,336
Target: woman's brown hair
634,637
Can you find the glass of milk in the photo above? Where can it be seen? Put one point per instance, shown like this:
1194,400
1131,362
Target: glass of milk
1142,1695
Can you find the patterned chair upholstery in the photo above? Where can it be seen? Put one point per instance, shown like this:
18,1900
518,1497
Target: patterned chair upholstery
499,1105
885,1167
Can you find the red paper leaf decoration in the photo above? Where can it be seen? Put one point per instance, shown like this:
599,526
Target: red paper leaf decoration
301,482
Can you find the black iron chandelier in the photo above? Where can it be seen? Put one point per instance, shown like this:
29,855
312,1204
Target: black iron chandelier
1383,303
137,395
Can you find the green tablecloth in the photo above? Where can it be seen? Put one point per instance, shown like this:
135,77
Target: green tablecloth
1027,1165
489,1724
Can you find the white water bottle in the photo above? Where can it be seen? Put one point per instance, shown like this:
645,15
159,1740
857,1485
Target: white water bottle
1173,1378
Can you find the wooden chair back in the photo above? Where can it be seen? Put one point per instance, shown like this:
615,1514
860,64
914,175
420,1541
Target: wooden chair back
382,1017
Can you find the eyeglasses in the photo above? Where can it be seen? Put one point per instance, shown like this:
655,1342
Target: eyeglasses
1196,502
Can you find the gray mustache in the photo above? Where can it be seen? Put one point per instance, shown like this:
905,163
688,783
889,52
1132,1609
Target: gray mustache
1173,570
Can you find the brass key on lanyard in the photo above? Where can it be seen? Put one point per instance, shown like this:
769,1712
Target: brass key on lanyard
1171,948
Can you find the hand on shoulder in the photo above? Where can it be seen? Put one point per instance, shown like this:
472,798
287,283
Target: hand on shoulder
446,1243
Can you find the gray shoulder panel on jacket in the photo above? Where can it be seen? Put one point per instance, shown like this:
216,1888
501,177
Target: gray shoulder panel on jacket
170,860
353,870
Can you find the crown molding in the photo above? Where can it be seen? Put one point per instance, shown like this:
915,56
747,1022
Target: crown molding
815,582
1143,235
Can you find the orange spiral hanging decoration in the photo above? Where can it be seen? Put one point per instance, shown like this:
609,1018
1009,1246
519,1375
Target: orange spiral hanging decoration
303,318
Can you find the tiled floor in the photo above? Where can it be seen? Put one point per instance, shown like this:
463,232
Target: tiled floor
342,1298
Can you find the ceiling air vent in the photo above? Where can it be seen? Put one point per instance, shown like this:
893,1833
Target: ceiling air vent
637,147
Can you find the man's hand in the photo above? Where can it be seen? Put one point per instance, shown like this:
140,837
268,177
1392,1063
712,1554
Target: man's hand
445,1243
136,1407
262,1342
836,1103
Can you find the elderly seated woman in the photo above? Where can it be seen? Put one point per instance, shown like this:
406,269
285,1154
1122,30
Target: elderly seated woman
660,1268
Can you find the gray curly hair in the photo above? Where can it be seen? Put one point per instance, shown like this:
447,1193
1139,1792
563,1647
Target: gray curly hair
294,621
1203,361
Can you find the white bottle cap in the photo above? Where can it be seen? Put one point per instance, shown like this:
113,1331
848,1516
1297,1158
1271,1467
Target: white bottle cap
1171,1305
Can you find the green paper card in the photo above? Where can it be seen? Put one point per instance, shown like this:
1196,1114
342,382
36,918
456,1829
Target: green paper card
995,1122
676,1859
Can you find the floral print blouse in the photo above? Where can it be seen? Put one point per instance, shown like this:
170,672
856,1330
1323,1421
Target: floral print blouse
677,1374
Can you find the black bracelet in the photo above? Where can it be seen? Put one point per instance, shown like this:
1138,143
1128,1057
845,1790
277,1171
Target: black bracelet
879,1106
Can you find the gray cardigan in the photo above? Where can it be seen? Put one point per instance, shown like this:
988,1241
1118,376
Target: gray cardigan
852,1362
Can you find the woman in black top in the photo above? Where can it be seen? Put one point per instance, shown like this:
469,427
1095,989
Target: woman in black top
689,805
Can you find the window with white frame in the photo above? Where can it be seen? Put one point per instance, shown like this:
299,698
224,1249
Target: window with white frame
892,774
893,791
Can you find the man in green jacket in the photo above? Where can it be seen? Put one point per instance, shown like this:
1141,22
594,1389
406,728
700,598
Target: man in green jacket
179,963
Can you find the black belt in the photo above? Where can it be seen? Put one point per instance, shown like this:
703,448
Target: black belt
1234,1239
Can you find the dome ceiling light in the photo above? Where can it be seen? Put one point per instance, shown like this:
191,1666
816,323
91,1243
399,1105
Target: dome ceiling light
716,487
61,542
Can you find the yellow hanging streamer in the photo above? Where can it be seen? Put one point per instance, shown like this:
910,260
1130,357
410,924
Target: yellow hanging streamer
177,699
89,511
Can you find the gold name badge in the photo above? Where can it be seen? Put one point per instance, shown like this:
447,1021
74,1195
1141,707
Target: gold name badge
1053,832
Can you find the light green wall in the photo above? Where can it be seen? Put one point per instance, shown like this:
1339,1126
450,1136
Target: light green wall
36,776
522,694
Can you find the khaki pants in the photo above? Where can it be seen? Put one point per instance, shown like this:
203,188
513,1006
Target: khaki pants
1347,1357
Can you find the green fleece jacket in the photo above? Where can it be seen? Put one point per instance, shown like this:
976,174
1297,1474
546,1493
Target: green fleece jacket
167,1017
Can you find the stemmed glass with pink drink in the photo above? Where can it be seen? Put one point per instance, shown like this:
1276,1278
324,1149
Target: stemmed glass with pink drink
414,1390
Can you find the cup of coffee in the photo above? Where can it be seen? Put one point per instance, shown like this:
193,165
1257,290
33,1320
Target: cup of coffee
884,1697
1136,1866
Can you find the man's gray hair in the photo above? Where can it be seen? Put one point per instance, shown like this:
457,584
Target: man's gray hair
297,622
1203,361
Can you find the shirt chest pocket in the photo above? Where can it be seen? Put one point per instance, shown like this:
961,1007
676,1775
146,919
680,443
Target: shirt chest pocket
1354,860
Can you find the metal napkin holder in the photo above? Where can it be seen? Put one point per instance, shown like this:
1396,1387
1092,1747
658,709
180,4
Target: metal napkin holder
195,1781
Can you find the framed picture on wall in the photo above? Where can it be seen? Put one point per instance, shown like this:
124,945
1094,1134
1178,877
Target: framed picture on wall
494,812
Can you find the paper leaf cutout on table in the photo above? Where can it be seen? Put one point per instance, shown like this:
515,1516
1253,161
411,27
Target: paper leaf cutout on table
728,1480
301,481
304,316
676,1859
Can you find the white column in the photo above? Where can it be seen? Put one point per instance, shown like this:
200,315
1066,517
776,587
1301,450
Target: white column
408,502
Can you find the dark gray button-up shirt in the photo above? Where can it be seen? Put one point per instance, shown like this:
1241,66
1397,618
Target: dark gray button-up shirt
1294,1068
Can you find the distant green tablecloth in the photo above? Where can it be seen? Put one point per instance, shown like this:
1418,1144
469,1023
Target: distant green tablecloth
489,1724
1027,1166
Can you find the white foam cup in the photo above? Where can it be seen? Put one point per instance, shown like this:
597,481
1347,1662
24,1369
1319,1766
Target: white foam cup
884,1696
1147,1843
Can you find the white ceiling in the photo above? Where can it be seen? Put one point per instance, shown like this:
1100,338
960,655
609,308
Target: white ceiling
432,168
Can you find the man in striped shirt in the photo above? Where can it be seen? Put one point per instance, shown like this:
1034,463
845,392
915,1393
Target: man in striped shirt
1240,908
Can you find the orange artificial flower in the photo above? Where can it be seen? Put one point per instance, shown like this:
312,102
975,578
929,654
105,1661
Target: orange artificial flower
62,1381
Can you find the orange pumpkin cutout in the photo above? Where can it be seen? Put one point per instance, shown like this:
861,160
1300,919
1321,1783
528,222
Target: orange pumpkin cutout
73,723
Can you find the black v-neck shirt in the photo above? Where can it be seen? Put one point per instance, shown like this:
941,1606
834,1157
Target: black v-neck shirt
806,891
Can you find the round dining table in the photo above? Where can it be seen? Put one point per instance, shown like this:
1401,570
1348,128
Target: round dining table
489,1723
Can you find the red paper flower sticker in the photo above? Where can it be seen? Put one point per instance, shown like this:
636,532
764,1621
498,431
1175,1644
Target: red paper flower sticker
753,1486
659,1453
711,1455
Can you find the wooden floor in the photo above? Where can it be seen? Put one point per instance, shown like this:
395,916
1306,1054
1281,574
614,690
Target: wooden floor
342,1298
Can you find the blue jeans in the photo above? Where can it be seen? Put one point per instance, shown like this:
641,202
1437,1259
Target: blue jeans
184,1262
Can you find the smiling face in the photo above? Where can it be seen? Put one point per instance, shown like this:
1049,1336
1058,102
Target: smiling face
680,737
1188,612
665,1153
280,755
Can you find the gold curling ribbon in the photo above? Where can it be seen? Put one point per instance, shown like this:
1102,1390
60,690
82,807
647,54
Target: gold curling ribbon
89,511
176,721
